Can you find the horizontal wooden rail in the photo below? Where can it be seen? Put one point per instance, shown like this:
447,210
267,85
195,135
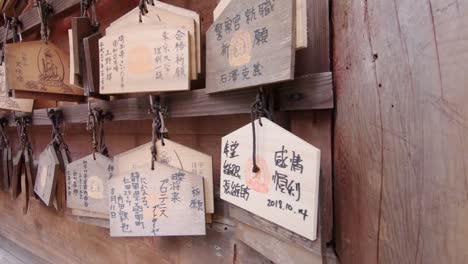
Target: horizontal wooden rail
309,92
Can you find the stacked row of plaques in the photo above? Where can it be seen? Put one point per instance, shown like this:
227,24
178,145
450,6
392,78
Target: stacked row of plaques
161,53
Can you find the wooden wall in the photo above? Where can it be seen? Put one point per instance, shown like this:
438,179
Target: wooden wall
59,238
401,191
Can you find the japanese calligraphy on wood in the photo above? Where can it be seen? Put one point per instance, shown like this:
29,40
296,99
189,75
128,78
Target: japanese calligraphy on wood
38,67
87,183
145,61
188,13
9,103
250,44
301,20
46,176
162,202
159,18
286,188
180,157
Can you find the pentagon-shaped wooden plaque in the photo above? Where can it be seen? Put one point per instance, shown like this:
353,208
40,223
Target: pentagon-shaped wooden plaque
251,43
35,66
177,156
87,183
286,188
147,60
162,202
46,176
162,19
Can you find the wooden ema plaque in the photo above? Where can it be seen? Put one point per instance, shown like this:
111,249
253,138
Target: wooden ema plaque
91,56
180,157
144,61
286,189
38,67
87,183
162,202
301,20
9,103
46,176
187,13
162,19
250,44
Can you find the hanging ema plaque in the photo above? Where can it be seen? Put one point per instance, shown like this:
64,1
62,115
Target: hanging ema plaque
46,176
250,44
87,183
147,60
38,67
180,157
162,202
285,189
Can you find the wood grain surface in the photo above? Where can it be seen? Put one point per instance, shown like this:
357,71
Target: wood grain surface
401,129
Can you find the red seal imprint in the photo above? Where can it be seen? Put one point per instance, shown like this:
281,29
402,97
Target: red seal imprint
259,181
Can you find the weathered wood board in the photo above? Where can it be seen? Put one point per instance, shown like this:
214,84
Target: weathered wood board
301,20
163,19
250,44
74,78
162,202
46,176
176,10
89,214
81,28
145,61
87,183
104,223
38,67
91,56
180,157
9,103
286,188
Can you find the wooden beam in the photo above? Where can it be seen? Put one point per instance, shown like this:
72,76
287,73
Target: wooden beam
31,19
275,249
309,92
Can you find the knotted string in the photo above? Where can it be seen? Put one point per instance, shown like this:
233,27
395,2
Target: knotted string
88,9
159,127
58,142
144,8
95,124
45,10
258,110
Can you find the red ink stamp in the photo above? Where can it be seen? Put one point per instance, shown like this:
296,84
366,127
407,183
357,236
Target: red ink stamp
259,181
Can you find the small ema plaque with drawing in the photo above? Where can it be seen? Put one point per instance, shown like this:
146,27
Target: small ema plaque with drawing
147,60
46,176
38,67
87,183
162,202
285,189
251,44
